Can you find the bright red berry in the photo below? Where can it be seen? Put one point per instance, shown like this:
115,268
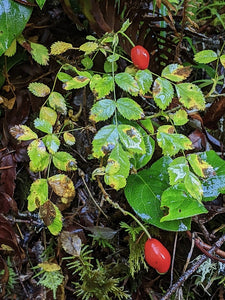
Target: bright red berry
140,57
157,256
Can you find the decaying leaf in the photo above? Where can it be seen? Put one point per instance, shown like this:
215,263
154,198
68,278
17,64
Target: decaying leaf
71,242
63,186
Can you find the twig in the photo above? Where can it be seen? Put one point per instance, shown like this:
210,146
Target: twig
173,258
189,272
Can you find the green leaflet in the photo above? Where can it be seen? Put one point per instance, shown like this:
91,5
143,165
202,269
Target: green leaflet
102,110
214,184
39,157
129,109
48,114
190,95
43,125
176,73
39,89
127,83
57,102
162,92
105,140
38,194
23,133
144,80
205,56
52,143
171,143
64,161
177,170
117,168
101,86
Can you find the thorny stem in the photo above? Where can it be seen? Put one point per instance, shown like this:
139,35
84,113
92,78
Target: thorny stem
189,272
123,211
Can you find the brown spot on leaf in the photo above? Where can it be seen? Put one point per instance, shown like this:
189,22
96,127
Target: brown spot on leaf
47,212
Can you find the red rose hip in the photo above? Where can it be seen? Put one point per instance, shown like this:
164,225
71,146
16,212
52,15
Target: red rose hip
140,57
157,256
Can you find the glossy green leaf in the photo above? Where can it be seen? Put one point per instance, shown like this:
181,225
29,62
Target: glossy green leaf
144,81
129,109
140,160
144,190
39,89
23,133
131,138
102,110
38,194
52,143
39,158
180,204
13,19
89,47
193,186
48,114
39,53
162,92
205,56
176,73
57,102
101,86
105,140
180,117
214,184
127,83
177,170
43,125
171,143
117,168
64,161
190,95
